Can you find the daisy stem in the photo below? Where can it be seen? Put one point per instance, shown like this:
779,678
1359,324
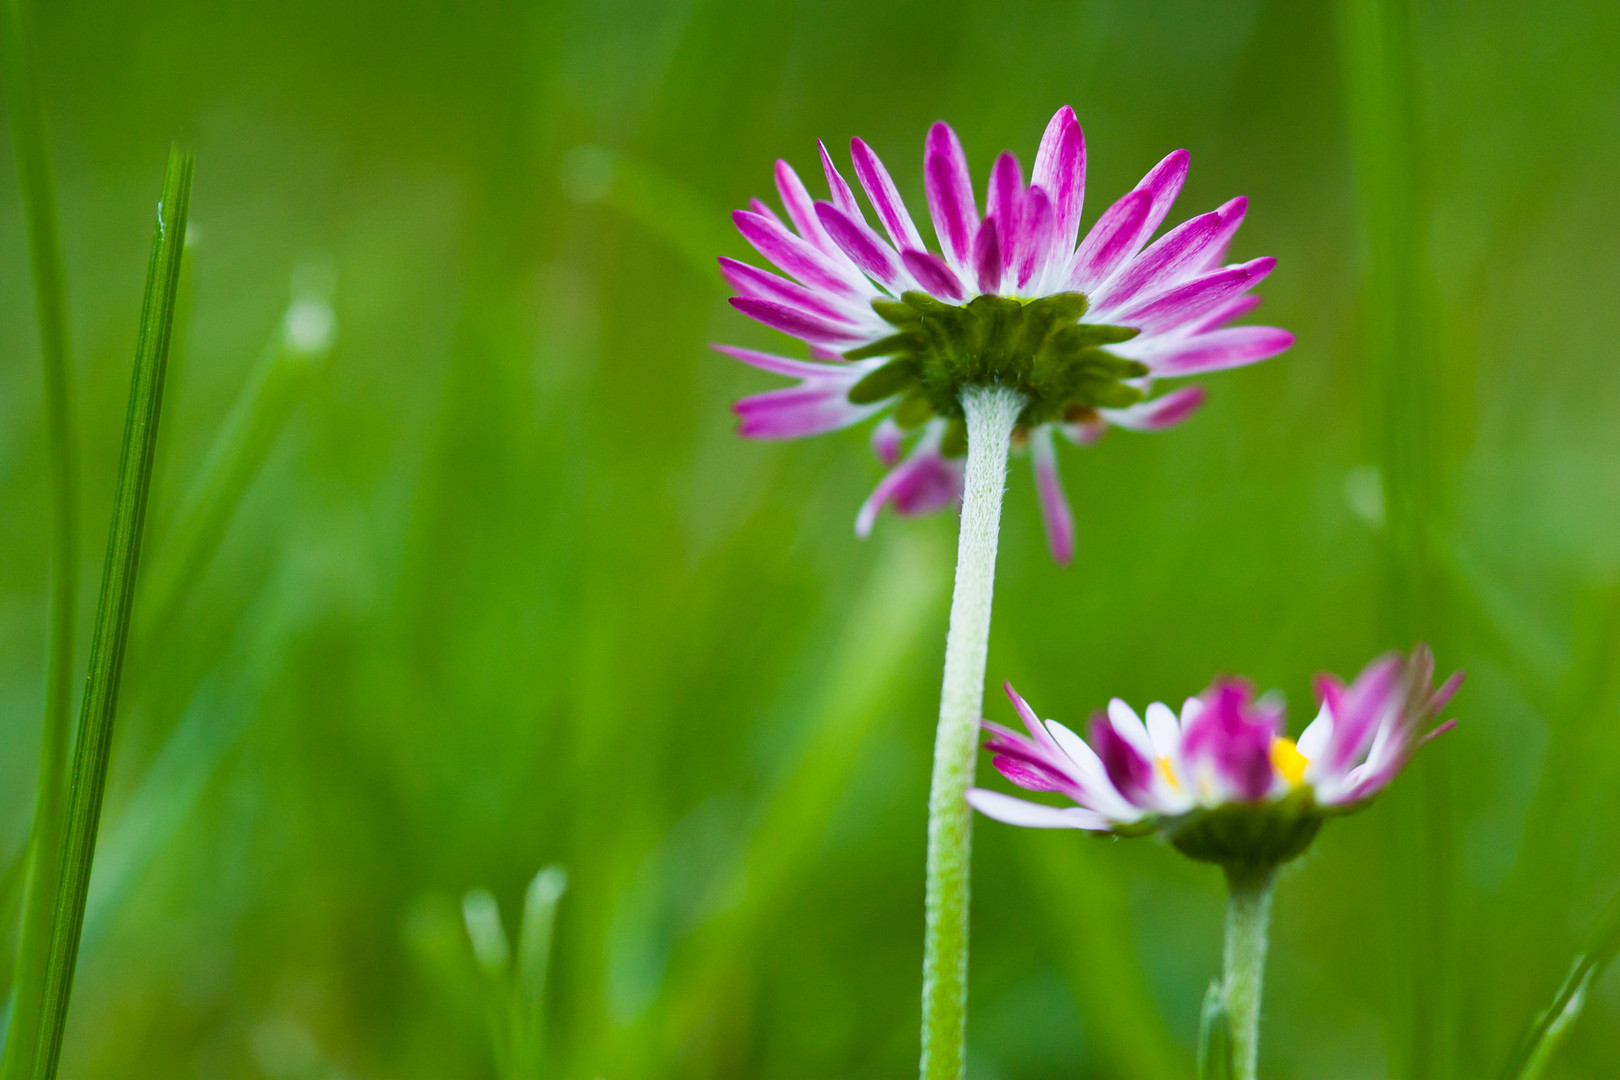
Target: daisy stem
991,415
1248,916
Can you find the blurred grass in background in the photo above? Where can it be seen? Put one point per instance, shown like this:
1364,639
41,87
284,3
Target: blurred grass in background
505,590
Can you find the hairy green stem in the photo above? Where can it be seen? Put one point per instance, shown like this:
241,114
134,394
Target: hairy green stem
94,745
38,199
1248,917
991,414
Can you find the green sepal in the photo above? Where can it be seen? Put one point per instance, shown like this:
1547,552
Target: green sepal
1248,834
889,346
885,382
1108,394
924,304
914,410
1215,1038
895,313
955,442
1068,306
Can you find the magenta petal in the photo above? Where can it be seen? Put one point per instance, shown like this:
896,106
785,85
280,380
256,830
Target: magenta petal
1160,413
1163,183
934,274
1055,513
764,285
1034,248
1218,350
1231,217
863,246
886,437
885,197
1111,241
764,211
1128,770
1029,775
801,209
799,323
784,365
1060,169
950,194
796,412
1171,259
798,258
924,481
1361,708
1004,203
1233,737
987,257
1194,298
842,196
1227,312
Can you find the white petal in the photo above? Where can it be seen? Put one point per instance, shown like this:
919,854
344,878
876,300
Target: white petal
1129,726
1190,710
1164,731
1092,774
1013,811
1313,741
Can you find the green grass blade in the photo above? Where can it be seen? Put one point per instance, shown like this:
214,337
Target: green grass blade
38,199
1552,1024
533,962
94,744
1089,920
1380,73
296,351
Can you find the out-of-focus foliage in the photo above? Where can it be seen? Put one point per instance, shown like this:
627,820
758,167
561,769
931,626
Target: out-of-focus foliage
506,591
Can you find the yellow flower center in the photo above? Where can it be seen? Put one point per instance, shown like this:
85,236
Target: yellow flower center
1288,761
1168,771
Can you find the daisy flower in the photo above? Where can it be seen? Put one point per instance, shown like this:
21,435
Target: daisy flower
1080,329
1222,781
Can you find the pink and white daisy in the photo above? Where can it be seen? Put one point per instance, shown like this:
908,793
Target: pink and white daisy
1221,780
1081,330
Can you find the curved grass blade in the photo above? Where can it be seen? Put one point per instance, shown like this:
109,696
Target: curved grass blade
37,195
1553,1023
528,1003
94,744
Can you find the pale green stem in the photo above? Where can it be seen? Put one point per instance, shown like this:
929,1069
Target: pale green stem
1248,916
991,414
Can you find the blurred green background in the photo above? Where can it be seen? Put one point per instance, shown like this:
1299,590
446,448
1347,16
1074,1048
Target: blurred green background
508,592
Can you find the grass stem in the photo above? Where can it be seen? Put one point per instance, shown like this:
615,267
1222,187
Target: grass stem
90,756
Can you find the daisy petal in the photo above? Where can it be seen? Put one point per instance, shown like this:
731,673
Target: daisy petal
796,412
1011,811
863,246
934,274
885,197
950,195
801,260
1160,413
793,320
842,196
1055,513
784,365
1111,241
1216,350
1194,298
1060,169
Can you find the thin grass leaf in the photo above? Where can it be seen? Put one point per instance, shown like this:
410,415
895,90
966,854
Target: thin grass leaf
37,194
533,963
1552,1024
94,743
1379,57
295,352
1089,921
884,628
651,198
